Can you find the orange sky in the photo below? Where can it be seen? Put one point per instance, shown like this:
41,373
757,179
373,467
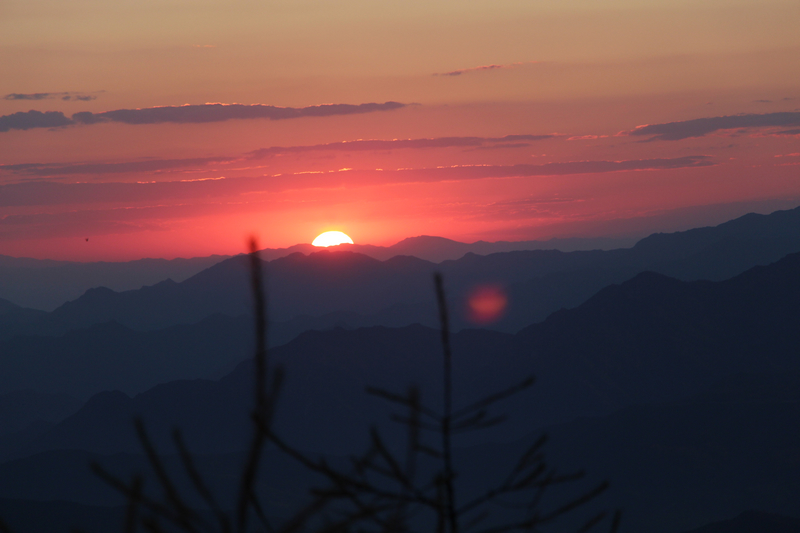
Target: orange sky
507,120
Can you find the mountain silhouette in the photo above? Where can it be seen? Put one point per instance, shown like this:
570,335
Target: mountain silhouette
21,408
673,467
14,318
111,356
750,521
49,517
326,282
679,465
85,361
45,284
438,249
683,394
682,391
650,339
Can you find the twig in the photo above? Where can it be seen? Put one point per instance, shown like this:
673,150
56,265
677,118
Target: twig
447,458
250,471
132,513
199,484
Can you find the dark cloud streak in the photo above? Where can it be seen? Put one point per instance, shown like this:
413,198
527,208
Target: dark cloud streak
457,173
367,145
675,131
84,97
188,114
484,68
156,165
51,193
25,120
196,114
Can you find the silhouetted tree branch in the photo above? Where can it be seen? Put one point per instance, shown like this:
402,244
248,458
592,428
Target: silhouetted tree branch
390,499
380,491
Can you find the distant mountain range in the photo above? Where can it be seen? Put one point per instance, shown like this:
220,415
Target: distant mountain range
46,284
683,393
352,289
111,356
438,249
344,290
651,339
672,467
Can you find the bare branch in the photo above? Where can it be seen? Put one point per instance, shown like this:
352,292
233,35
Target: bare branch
339,478
429,451
4,527
421,425
493,398
473,424
592,522
529,454
198,483
447,460
402,400
577,502
615,521
151,524
125,490
185,515
250,471
132,513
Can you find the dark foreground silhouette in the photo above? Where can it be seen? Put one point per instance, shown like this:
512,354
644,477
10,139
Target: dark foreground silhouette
380,490
691,389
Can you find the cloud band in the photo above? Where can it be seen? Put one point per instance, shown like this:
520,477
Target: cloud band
52,193
186,114
675,131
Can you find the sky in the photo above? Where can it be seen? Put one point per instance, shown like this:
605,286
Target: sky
178,128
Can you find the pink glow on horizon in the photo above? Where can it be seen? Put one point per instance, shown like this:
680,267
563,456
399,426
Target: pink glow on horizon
668,117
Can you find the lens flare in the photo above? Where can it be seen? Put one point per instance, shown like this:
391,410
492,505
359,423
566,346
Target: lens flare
486,304
332,238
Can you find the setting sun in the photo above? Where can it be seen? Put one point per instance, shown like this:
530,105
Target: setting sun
332,238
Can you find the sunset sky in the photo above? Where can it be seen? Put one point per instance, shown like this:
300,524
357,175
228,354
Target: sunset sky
177,128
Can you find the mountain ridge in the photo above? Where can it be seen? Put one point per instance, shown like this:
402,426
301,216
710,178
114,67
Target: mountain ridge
651,339
538,282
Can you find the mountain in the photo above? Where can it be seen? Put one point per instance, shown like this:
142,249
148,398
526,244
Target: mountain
46,284
214,414
656,338
750,521
683,394
397,291
679,465
16,320
650,339
53,517
672,467
318,284
110,356
438,249
22,408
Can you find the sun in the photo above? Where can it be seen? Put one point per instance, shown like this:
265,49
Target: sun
332,238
